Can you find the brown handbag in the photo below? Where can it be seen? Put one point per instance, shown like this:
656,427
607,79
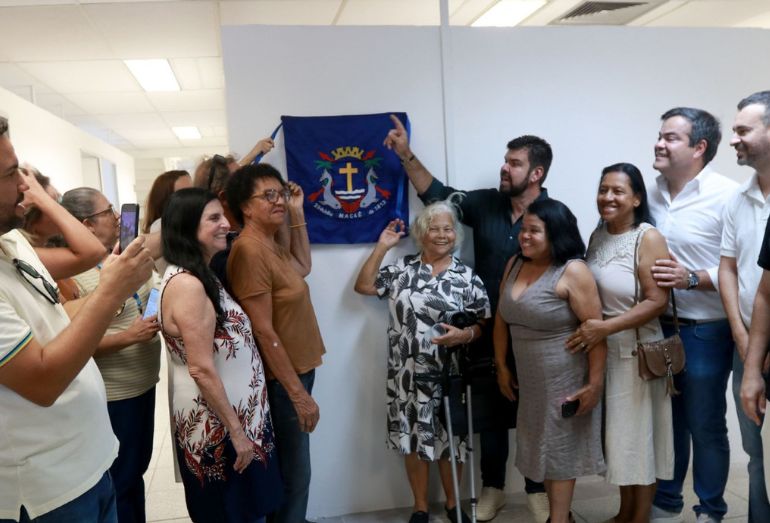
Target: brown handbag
661,358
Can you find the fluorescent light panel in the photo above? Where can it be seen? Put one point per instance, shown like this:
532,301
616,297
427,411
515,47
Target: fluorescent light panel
508,13
153,75
187,133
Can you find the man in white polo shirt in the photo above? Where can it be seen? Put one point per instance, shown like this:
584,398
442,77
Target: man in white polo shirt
739,275
687,202
55,434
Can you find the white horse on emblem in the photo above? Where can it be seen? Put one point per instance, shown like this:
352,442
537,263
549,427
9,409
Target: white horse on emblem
371,189
328,198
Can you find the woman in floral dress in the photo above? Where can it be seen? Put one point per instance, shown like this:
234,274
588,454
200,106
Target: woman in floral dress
223,432
423,290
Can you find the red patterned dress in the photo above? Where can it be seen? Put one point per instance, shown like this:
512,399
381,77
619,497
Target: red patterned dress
213,490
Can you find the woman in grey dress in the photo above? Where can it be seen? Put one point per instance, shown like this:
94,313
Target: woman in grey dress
547,291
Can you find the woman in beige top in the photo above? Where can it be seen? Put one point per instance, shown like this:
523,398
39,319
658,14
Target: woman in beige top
128,358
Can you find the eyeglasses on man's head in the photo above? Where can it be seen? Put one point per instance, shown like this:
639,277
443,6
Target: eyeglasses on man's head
45,288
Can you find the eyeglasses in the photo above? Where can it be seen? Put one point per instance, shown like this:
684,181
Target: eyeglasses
272,195
34,278
217,159
109,209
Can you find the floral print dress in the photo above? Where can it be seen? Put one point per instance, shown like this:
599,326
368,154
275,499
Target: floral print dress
417,301
213,490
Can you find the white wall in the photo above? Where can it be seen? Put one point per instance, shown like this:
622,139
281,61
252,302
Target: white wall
595,93
54,146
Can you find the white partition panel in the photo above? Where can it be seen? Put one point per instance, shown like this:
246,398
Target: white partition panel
595,93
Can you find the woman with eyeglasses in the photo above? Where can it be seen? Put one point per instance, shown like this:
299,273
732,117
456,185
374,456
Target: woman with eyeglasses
222,427
45,221
268,280
128,358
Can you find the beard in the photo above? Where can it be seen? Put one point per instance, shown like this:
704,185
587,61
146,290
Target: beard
10,221
515,190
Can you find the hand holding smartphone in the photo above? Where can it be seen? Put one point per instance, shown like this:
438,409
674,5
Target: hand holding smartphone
152,304
569,408
129,224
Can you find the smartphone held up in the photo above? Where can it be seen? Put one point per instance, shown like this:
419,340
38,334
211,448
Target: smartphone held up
129,224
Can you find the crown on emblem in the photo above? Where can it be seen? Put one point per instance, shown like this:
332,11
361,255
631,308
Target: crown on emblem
347,152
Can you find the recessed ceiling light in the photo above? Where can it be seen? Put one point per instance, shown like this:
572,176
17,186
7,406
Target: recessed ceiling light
508,13
153,75
187,133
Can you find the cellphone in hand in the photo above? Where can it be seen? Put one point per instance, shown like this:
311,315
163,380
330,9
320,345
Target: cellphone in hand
129,224
152,304
569,408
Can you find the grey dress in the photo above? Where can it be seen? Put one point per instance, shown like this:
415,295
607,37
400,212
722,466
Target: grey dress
547,445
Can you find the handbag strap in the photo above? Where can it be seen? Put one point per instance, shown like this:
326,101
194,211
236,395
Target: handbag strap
636,286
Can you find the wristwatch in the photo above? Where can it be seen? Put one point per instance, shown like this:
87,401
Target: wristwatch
692,280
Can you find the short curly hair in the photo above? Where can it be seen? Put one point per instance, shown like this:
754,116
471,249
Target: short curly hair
422,222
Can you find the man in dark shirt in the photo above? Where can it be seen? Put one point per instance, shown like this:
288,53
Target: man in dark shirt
495,217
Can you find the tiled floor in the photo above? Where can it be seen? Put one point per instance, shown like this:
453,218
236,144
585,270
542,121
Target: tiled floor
594,502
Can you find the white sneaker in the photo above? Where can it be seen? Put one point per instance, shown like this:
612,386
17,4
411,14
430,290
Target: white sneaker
658,515
490,502
705,518
538,506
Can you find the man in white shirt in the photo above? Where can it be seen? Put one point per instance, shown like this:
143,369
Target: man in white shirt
55,435
752,143
687,202
739,275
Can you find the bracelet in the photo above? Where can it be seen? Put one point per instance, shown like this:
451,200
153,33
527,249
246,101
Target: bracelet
298,225
408,160
473,334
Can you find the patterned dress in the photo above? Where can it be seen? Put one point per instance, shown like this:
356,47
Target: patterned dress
417,301
213,490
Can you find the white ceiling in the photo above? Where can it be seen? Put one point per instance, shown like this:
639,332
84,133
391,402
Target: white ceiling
67,55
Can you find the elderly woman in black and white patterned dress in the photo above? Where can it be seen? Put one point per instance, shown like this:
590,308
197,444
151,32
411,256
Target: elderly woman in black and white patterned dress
423,290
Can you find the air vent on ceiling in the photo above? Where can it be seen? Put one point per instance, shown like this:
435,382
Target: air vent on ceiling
606,13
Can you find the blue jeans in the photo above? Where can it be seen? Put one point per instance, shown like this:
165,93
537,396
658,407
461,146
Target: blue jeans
293,447
133,422
699,415
759,507
96,505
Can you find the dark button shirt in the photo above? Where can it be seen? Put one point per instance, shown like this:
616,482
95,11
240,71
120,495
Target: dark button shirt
764,252
495,236
218,262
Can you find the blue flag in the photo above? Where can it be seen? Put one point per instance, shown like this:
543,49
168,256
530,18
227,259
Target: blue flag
353,184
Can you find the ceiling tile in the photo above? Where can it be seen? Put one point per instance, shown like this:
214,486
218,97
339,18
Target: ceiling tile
111,103
196,118
159,29
148,135
187,73
90,76
133,122
279,12
48,33
200,100
200,73
212,73
714,13
58,105
156,144
465,12
390,12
